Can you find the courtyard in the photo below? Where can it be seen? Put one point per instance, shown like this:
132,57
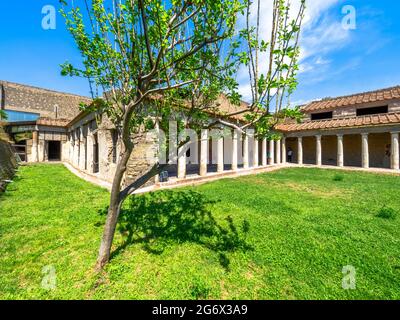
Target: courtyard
280,235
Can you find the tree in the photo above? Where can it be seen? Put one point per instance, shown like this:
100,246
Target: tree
3,115
272,63
135,50
143,58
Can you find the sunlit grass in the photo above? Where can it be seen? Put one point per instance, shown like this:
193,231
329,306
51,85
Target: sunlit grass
281,235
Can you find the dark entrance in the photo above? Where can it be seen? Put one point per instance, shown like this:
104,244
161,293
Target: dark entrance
20,150
95,154
54,150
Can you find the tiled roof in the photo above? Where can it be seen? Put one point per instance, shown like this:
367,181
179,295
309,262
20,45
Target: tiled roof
366,97
225,107
365,121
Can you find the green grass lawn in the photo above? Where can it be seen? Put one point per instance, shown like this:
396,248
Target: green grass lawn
281,235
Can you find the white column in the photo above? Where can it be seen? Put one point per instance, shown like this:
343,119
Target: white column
318,150
90,153
264,152
271,159
77,148
203,152
284,150
173,143
182,162
73,148
395,151
300,150
278,151
82,151
157,141
235,150
220,153
340,154
245,151
255,155
365,150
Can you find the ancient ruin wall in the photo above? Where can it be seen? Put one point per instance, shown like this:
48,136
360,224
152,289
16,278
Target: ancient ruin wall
8,164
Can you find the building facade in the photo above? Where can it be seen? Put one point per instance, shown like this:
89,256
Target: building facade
361,130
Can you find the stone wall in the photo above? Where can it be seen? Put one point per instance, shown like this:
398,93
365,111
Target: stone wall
142,159
8,164
47,103
351,111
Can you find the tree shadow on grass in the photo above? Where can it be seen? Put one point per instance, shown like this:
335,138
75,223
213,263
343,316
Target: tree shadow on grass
161,219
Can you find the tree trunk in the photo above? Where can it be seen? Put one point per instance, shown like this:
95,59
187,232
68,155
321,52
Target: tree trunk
113,211
118,197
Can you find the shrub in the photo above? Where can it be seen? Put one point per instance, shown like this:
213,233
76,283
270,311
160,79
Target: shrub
338,177
386,213
199,290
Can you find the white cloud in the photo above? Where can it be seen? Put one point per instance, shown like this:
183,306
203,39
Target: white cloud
321,34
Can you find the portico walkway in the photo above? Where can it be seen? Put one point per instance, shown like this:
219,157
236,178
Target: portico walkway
190,180
195,179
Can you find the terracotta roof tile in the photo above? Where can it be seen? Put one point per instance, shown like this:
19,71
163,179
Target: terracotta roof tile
375,120
372,96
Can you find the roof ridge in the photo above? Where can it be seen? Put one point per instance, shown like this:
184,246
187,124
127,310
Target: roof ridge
43,89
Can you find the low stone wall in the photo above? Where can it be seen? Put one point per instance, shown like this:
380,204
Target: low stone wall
8,164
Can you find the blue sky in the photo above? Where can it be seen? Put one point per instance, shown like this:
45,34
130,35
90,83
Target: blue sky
342,61
335,61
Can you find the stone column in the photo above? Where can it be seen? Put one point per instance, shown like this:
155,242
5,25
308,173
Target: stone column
72,154
395,151
82,141
300,150
340,154
76,149
318,150
182,162
90,143
203,152
220,153
157,150
235,141
255,153
271,159
71,146
364,150
246,151
173,143
278,151
284,150
264,152
35,146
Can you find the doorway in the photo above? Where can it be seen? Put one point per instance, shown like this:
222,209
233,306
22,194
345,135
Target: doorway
96,156
54,150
